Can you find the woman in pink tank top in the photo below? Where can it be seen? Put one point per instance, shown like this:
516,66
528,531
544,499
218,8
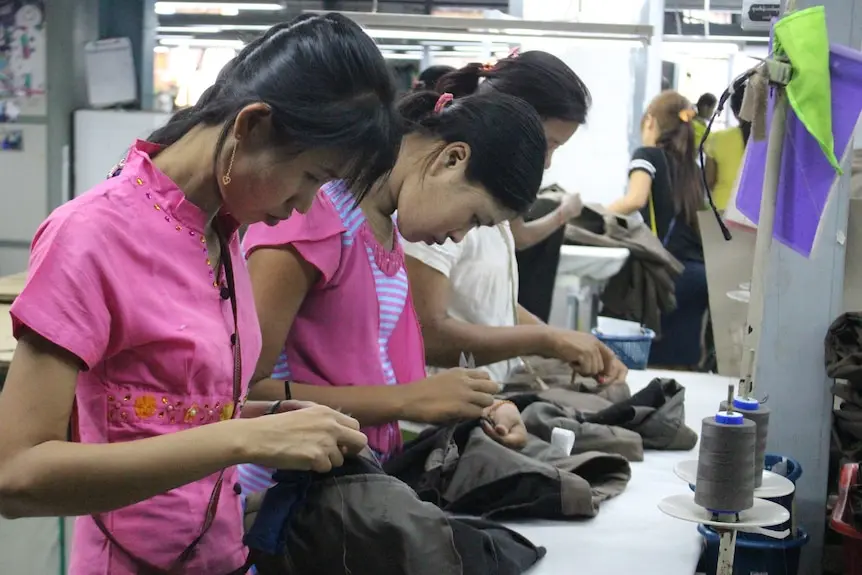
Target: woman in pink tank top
137,320
331,287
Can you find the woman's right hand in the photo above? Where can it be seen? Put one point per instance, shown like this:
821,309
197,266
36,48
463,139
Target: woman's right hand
583,351
309,439
451,395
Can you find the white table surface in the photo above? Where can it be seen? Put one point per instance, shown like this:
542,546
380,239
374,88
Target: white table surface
591,262
630,536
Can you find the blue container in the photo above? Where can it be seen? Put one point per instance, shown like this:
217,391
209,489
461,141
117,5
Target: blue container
632,350
790,469
756,556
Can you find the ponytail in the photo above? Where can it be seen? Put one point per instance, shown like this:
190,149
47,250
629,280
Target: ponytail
417,106
461,82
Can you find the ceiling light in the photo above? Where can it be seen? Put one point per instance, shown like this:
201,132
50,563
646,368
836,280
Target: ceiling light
225,8
201,42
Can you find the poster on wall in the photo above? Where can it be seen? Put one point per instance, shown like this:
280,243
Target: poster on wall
22,54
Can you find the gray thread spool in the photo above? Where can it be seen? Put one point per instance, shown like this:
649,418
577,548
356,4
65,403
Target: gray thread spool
760,416
725,466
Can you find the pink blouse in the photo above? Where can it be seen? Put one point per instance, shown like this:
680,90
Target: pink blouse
120,278
357,326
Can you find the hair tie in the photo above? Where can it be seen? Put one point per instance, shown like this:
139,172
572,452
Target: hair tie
687,115
444,100
515,52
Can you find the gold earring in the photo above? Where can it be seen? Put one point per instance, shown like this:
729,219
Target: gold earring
226,177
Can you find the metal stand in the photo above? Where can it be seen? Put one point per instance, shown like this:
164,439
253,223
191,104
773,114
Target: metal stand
726,552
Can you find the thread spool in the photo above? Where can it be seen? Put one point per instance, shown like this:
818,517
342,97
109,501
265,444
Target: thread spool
753,410
725,467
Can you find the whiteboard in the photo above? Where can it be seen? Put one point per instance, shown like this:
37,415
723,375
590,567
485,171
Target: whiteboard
24,183
102,138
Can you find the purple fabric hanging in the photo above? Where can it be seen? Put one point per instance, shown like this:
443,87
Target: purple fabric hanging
806,177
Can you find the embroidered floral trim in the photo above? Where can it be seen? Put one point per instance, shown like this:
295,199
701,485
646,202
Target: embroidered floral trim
389,262
145,407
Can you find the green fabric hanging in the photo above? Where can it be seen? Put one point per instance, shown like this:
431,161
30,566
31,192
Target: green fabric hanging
802,36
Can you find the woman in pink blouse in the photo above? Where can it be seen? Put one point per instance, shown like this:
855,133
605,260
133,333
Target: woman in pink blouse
331,287
137,320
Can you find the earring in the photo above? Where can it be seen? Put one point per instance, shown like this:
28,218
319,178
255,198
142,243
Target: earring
226,177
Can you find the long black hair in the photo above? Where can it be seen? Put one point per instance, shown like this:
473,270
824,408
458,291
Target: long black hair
505,136
735,106
327,86
429,77
539,78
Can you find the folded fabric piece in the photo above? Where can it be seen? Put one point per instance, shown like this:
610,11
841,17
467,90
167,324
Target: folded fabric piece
656,413
843,345
462,470
358,520
541,417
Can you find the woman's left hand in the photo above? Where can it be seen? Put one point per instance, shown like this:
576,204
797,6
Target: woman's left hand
508,428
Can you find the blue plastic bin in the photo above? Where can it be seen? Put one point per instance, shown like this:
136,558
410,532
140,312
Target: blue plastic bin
790,469
632,350
756,556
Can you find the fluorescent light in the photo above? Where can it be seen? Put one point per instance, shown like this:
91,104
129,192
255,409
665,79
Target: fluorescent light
226,8
201,42
432,36
396,56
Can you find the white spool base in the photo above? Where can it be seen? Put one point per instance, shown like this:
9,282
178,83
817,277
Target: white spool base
773,485
762,514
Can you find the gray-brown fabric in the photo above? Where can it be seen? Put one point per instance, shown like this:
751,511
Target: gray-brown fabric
656,413
586,479
558,375
358,520
542,417
843,348
644,287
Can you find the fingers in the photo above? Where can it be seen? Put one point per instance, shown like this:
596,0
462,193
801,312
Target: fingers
480,399
346,421
484,386
294,404
351,440
477,374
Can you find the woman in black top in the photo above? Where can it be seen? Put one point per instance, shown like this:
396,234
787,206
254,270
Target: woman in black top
665,187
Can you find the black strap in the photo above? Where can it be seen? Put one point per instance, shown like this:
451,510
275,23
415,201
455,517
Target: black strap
176,568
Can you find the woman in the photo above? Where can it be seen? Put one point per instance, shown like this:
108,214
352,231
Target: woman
665,187
137,318
725,150
331,288
466,294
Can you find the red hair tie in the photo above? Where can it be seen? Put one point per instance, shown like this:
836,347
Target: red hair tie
516,51
444,100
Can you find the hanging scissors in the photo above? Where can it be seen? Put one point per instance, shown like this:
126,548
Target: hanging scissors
467,361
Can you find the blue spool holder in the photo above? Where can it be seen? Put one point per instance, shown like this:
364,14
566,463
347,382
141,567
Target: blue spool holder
763,556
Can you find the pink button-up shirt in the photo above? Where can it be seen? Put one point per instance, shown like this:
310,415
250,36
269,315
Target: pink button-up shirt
120,278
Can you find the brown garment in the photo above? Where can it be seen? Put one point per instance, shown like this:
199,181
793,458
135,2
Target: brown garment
644,287
844,348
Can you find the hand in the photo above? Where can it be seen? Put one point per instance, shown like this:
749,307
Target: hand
311,438
616,371
448,396
571,206
508,428
583,350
